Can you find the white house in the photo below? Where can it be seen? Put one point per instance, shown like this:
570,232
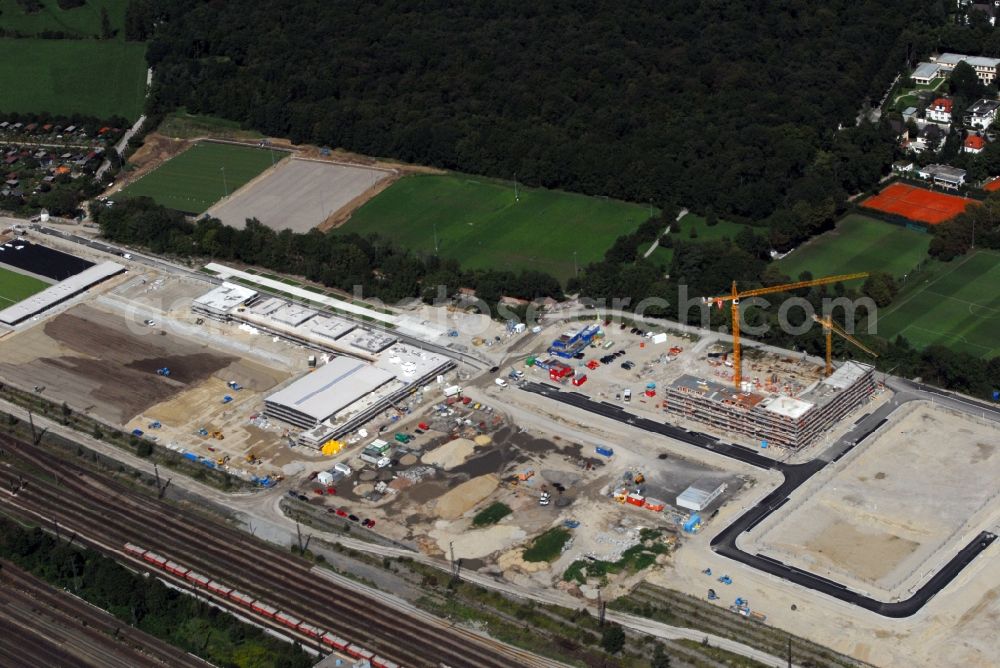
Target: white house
982,114
925,73
973,144
945,176
986,68
939,110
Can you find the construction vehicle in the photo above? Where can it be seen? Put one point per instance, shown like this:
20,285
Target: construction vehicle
734,300
712,596
830,326
741,602
726,580
203,432
226,399
525,475
707,571
218,435
233,385
544,499
163,371
155,424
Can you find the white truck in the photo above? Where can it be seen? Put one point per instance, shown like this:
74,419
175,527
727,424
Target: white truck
452,391
500,382
627,395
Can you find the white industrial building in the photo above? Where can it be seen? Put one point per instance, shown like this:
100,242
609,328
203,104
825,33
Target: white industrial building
59,292
325,391
700,495
218,302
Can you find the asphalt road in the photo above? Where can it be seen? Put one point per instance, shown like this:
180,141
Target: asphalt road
796,475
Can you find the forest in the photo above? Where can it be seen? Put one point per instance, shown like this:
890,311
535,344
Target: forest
636,101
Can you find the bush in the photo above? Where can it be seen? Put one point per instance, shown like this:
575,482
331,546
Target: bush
613,639
547,546
144,449
491,514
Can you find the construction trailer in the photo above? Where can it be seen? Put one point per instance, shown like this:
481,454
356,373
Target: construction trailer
572,342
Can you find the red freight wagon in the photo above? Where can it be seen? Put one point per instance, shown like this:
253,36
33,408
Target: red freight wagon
335,642
218,588
176,569
155,559
198,579
358,652
288,620
310,630
241,598
264,609
379,662
134,549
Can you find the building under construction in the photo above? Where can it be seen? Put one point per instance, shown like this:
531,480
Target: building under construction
772,418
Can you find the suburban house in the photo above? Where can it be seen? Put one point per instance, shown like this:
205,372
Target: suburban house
973,144
986,68
982,114
939,111
924,73
945,176
930,138
902,166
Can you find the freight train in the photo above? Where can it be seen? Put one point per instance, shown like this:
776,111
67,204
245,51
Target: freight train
258,606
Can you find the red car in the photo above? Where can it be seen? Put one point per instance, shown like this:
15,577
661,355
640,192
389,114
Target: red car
341,512
331,490
368,523
319,491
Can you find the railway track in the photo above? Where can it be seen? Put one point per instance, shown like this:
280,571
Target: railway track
81,501
40,626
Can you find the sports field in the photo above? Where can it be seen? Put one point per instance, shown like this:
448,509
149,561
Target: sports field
477,222
73,76
15,286
955,304
917,204
202,175
83,21
858,243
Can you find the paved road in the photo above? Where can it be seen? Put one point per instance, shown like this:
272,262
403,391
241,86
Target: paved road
795,475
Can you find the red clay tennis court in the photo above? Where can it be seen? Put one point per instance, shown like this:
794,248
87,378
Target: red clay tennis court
917,204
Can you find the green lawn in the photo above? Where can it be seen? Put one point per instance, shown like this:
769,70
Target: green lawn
82,21
956,304
201,176
15,286
182,125
89,77
705,233
548,546
477,222
857,244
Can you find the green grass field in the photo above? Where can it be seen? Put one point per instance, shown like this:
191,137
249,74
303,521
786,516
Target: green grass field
201,176
859,243
90,77
955,304
82,21
663,257
479,224
182,125
15,286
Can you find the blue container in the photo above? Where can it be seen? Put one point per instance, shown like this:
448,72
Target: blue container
209,463
137,432
607,452
190,455
692,522
996,395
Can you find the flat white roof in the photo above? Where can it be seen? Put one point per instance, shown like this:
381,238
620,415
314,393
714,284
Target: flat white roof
849,373
925,70
225,297
408,363
699,493
329,327
293,314
786,406
368,340
331,387
58,292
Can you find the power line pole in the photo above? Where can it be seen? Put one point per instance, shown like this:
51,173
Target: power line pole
517,197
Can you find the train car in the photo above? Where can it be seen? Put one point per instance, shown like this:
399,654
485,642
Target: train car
219,588
288,620
310,630
358,652
155,559
134,550
174,568
241,598
262,608
335,642
198,579
379,662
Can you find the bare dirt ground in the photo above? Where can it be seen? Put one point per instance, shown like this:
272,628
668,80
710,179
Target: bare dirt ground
300,194
893,513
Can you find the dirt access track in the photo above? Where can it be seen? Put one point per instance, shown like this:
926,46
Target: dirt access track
103,364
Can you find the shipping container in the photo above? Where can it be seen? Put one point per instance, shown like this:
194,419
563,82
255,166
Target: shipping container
635,500
606,452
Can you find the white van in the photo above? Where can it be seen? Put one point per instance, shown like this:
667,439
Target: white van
342,468
500,382
627,395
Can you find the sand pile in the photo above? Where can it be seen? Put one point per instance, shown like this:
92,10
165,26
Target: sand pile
479,542
449,455
456,502
483,439
514,560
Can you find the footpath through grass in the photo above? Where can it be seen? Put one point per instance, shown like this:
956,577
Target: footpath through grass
859,243
72,76
477,221
201,176
15,287
664,256
954,304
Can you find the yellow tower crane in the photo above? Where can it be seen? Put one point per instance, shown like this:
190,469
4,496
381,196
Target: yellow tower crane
830,326
734,299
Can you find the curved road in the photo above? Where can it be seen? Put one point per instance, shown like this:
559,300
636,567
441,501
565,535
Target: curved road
796,475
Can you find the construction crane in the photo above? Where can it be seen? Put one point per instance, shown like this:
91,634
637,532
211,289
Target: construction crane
830,326
734,299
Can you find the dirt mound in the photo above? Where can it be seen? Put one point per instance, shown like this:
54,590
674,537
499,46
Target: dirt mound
456,502
449,455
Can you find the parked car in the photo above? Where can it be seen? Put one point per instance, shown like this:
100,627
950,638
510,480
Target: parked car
341,512
353,518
